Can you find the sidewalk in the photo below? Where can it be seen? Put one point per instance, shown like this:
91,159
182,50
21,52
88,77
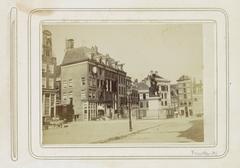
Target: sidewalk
103,131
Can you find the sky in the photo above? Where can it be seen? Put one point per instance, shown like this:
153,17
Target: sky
171,49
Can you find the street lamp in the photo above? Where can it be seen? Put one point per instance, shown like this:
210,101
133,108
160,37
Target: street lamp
129,110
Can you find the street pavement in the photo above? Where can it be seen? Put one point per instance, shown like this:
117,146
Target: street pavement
117,131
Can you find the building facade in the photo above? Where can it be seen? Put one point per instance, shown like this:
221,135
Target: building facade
197,98
185,96
95,83
48,77
174,99
132,98
163,89
143,91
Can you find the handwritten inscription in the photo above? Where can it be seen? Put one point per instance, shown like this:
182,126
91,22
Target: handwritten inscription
204,153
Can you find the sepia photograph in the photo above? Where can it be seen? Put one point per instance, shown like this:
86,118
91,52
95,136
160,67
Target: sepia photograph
115,83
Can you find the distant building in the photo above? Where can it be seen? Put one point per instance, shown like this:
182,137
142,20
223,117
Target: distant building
143,91
48,78
133,97
58,84
95,83
154,97
197,98
185,96
174,99
164,94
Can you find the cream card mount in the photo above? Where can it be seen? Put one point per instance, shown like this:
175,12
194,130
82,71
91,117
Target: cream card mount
213,58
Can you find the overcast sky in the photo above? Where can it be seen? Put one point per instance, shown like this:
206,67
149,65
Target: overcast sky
170,49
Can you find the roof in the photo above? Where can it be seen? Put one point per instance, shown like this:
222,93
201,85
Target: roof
183,78
157,76
142,86
76,55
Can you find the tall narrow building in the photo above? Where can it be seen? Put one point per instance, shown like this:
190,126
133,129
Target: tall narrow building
48,77
184,85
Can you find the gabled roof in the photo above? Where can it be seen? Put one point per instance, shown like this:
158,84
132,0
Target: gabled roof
183,78
142,86
76,55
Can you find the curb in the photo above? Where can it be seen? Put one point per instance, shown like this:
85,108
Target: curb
125,135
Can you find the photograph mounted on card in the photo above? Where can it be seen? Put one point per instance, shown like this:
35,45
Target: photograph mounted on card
128,83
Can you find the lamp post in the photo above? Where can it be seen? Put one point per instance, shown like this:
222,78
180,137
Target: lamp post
129,110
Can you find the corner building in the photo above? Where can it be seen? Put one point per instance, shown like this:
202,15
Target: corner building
95,83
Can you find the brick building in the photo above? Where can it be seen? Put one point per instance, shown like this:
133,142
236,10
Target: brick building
48,77
95,83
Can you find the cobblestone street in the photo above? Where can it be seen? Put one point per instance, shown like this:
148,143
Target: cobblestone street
117,131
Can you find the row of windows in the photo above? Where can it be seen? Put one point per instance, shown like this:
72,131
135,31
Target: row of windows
68,83
185,84
164,96
185,96
122,80
185,103
142,104
164,88
143,96
164,103
49,67
122,90
67,96
184,90
50,83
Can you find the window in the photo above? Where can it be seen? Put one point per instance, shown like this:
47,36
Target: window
185,96
44,67
93,95
51,83
70,83
162,103
98,83
51,68
144,96
70,95
64,84
147,95
141,104
44,82
64,96
147,104
165,103
106,85
89,94
83,94
90,82
165,94
140,96
83,81
189,103
110,85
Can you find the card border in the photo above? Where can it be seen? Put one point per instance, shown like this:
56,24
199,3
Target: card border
137,9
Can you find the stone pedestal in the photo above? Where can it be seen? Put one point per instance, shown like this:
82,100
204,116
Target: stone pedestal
154,109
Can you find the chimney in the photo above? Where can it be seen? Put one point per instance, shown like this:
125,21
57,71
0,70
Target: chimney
69,44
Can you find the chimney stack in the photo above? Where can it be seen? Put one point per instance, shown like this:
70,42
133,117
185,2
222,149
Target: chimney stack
69,44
